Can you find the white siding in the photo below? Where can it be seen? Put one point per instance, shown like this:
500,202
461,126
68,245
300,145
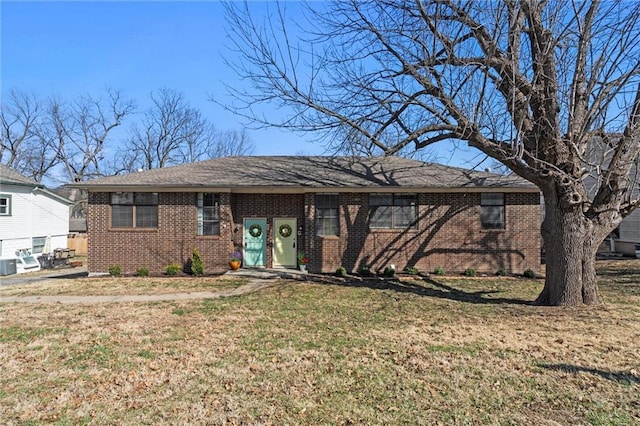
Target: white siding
630,227
9,246
33,214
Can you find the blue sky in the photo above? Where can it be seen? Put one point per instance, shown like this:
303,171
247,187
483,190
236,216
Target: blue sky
81,47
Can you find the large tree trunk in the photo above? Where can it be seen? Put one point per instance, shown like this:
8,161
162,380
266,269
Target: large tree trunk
571,241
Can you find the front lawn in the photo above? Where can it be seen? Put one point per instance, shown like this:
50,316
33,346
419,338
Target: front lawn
453,351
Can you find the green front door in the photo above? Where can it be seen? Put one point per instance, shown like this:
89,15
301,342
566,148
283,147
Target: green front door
255,243
284,243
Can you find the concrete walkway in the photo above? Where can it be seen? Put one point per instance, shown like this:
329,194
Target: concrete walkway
258,280
252,286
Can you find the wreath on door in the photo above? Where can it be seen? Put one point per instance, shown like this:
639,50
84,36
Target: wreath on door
285,230
255,230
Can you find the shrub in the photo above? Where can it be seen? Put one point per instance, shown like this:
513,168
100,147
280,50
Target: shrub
115,270
529,273
197,266
172,269
411,270
438,271
470,272
365,271
501,272
389,271
341,271
142,272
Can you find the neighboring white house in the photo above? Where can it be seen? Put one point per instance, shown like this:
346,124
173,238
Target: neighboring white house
626,238
29,213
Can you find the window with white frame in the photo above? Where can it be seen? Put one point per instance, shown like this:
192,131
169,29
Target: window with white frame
492,209
134,210
37,244
393,211
5,205
208,213
327,215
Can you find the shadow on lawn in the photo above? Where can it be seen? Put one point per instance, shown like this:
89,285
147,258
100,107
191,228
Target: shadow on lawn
439,290
616,376
70,275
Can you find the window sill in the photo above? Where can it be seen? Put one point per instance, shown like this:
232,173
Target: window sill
493,230
132,229
207,237
393,230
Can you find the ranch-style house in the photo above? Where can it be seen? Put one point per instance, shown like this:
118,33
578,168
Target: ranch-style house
353,212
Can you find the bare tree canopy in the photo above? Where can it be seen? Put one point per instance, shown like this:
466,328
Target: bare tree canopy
80,130
21,144
550,89
172,132
39,136
70,140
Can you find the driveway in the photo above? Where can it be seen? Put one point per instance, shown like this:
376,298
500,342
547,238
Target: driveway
43,274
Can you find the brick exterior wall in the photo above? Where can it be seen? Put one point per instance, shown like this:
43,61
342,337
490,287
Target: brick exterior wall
173,240
449,234
269,206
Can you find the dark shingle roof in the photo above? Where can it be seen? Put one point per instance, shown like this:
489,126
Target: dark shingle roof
263,172
10,176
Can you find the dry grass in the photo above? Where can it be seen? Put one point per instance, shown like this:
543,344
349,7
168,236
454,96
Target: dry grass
414,352
108,286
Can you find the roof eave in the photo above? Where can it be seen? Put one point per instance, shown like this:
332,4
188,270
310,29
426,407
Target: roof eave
55,196
303,189
23,184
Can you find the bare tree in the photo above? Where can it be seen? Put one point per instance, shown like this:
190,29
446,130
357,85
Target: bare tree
172,132
21,144
223,143
161,136
228,143
77,131
546,88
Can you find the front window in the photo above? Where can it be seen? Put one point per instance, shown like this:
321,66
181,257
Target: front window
134,210
392,211
5,205
327,219
492,210
208,214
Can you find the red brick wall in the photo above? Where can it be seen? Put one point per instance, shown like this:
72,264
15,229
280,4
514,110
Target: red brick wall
173,240
269,206
448,235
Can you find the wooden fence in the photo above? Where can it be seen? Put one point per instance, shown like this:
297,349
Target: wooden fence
78,242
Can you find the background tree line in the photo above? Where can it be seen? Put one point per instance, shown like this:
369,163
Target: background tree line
70,140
